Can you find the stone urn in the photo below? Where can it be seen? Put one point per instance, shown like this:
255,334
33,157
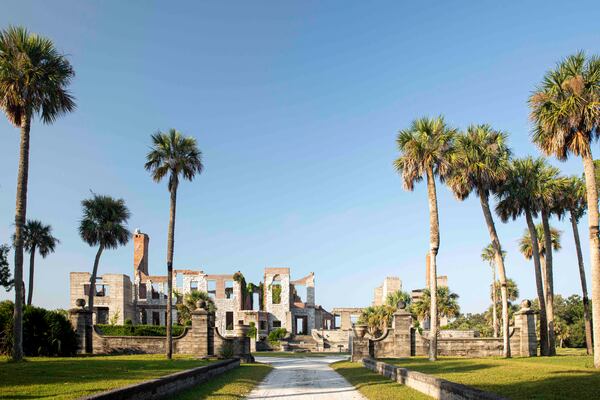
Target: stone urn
80,303
360,330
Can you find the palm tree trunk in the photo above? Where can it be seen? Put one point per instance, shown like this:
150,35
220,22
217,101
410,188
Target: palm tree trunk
494,302
20,216
539,284
170,248
549,285
434,244
31,263
592,203
489,220
92,292
586,301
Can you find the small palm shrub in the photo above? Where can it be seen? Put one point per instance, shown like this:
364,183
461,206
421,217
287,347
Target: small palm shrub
45,332
276,335
226,349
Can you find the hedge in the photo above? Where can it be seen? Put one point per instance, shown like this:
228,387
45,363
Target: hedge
138,330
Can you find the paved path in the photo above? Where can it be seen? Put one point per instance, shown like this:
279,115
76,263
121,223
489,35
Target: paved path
306,378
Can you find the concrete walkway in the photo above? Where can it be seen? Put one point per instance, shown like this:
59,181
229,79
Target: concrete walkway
304,378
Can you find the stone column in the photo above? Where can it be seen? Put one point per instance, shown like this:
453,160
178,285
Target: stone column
241,343
200,327
402,325
81,320
525,328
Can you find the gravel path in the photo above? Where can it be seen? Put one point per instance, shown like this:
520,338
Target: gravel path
304,378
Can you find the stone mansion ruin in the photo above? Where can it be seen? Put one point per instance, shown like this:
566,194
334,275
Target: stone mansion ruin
275,303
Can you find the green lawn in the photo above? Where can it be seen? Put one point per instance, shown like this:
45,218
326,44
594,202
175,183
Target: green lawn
374,386
70,378
290,354
565,376
234,384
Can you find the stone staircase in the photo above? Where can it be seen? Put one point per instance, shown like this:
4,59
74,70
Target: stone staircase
303,343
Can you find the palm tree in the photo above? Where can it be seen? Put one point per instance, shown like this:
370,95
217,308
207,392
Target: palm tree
174,155
103,225
519,196
564,109
425,149
447,302
37,236
573,202
489,254
480,164
394,298
33,81
550,191
526,249
189,302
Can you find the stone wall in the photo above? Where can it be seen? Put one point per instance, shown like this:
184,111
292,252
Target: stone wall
403,340
167,385
427,384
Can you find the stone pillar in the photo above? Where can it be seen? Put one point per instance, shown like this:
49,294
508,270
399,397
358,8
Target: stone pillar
200,334
525,328
402,325
241,343
81,320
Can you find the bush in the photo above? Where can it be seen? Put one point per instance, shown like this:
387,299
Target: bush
138,330
45,333
226,349
128,322
276,335
252,330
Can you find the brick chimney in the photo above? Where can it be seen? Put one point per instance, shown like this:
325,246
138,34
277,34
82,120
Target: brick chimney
140,252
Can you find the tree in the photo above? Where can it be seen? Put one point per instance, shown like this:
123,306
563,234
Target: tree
33,81
573,201
174,155
5,279
392,299
189,302
425,150
377,318
104,224
447,304
519,196
37,236
480,164
565,113
489,254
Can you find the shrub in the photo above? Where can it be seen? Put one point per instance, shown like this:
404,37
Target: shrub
45,333
276,335
252,330
128,322
137,330
226,349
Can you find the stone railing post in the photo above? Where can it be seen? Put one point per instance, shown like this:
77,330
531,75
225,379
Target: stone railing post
81,320
359,344
525,328
402,325
241,342
200,334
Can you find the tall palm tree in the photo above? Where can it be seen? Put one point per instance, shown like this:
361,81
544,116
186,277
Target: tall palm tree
573,202
104,224
37,236
33,81
425,150
550,191
489,254
519,196
175,155
480,164
566,116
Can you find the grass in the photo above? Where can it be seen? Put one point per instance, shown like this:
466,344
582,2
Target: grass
73,377
567,376
374,386
233,384
289,354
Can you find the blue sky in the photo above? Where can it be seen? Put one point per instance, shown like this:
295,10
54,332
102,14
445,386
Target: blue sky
295,106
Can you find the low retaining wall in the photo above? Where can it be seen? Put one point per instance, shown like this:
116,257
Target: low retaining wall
430,385
182,344
166,385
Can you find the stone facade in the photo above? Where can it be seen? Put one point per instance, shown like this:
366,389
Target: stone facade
143,300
